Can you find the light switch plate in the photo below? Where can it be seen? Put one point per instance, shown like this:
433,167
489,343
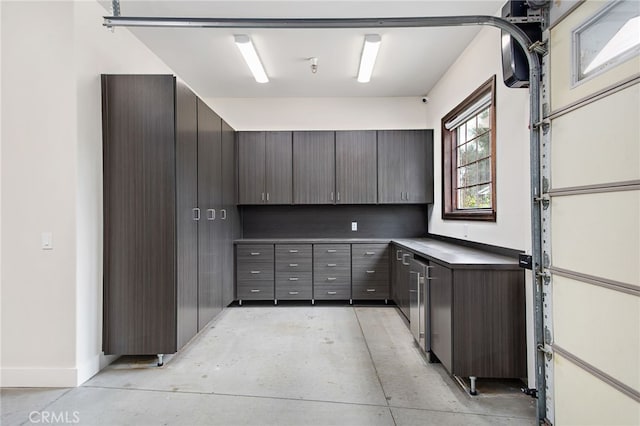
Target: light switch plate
354,226
47,241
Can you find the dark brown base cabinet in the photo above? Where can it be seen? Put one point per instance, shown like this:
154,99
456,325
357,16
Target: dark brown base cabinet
478,321
168,225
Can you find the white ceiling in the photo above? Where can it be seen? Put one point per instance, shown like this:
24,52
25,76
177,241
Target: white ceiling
410,61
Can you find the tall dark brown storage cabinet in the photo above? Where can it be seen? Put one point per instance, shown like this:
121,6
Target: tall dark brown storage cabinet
166,222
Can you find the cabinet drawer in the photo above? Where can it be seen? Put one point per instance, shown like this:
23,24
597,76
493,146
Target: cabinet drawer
327,279
365,290
254,253
293,277
337,291
255,272
331,253
369,251
294,290
371,274
294,257
255,290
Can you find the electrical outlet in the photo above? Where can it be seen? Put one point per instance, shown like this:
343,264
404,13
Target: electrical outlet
354,226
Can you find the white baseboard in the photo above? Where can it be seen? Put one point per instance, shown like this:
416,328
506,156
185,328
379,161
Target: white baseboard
38,377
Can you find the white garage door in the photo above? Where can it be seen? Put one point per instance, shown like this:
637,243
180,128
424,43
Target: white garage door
592,223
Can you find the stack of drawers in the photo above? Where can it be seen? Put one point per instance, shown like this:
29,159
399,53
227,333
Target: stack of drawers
370,271
255,272
293,272
331,271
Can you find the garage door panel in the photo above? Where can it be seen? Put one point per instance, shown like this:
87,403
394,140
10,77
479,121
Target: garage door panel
563,92
598,143
583,399
600,326
598,235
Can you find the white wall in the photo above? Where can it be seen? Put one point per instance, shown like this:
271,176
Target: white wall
476,65
321,113
52,56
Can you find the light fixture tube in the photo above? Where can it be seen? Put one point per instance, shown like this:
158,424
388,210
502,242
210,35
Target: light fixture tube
368,58
250,56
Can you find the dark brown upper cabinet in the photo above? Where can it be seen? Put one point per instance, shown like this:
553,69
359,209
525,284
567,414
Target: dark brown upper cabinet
356,170
405,166
314,167
264,168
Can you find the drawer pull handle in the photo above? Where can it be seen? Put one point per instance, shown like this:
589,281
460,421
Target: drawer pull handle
331,279
255,291
255,253
331,251
255,272
331,265
293,293
293,251
370,253
371,272
332,292
293,265
293,279
371,290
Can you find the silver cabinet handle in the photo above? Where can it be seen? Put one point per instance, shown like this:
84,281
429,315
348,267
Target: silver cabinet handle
255,272
196,213
293,279
255,291
369,253
224,214
331,265
267,196
293,265
263,196
371,290
293,251
331,279
398,254
255,253
338,196
331,195
403,256
371,272
332,292
293,293
331,251
211,214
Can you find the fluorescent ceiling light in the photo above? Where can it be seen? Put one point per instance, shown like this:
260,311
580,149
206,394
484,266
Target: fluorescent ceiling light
368,58
250,56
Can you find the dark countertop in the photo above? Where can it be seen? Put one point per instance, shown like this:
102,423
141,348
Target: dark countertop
455,255
448,254
313,241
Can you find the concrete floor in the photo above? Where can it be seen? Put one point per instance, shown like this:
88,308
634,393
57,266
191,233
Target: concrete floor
300,365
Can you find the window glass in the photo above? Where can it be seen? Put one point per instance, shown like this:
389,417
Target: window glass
610,37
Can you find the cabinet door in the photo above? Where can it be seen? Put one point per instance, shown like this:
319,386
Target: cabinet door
440,311
209,200
418,166
356,167
251,167
391,173
186,223
279,169
313,167
228,212
139,214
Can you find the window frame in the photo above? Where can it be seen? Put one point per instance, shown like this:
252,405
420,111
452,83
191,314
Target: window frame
450,210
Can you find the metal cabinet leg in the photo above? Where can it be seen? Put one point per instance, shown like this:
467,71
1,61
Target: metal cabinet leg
239,302
160,360
472,387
